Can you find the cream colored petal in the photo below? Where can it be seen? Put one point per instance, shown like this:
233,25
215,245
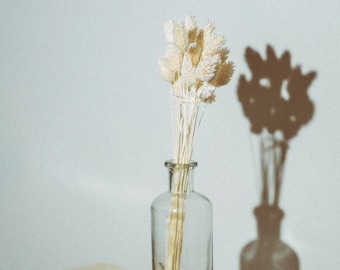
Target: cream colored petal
169,31
223,74
165,69
181,39
207,67
190,22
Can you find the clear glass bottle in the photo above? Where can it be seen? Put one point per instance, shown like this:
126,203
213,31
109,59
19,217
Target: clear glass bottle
181,220
268,252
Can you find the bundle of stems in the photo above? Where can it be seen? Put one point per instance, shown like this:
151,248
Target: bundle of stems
186,120
175,226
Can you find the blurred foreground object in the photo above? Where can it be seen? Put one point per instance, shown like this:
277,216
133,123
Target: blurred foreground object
100,266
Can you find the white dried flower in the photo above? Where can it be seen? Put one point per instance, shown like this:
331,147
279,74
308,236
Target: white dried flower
209,28
181,39
166,71
207,91
188,73
212,44
170,63
212,41
190,22
169,31
207,67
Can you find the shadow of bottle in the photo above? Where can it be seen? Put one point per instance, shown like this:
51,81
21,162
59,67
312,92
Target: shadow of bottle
268,252
276,103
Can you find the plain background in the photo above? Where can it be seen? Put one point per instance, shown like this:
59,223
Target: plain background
86,127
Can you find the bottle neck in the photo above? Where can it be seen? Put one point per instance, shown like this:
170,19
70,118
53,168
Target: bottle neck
268,222
181,176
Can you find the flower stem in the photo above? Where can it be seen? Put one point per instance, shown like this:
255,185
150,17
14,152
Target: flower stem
186,119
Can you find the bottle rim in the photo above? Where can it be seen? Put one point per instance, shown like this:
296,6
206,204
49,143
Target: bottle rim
171,163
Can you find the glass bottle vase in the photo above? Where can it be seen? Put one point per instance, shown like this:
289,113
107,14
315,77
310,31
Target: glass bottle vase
181,224
268,252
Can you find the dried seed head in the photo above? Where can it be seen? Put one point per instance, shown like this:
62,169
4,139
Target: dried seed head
195,58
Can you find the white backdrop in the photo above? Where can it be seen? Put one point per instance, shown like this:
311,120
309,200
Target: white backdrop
85,129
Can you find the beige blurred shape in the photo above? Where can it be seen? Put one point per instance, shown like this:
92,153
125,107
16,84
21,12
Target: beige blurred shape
100,266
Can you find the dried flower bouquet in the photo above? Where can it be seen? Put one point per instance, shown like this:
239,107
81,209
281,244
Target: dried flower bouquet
195,63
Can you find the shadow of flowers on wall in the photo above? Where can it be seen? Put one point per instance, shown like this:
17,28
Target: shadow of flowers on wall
276,102
275,98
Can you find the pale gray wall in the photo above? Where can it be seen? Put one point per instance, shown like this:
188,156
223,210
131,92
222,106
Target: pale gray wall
85,129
